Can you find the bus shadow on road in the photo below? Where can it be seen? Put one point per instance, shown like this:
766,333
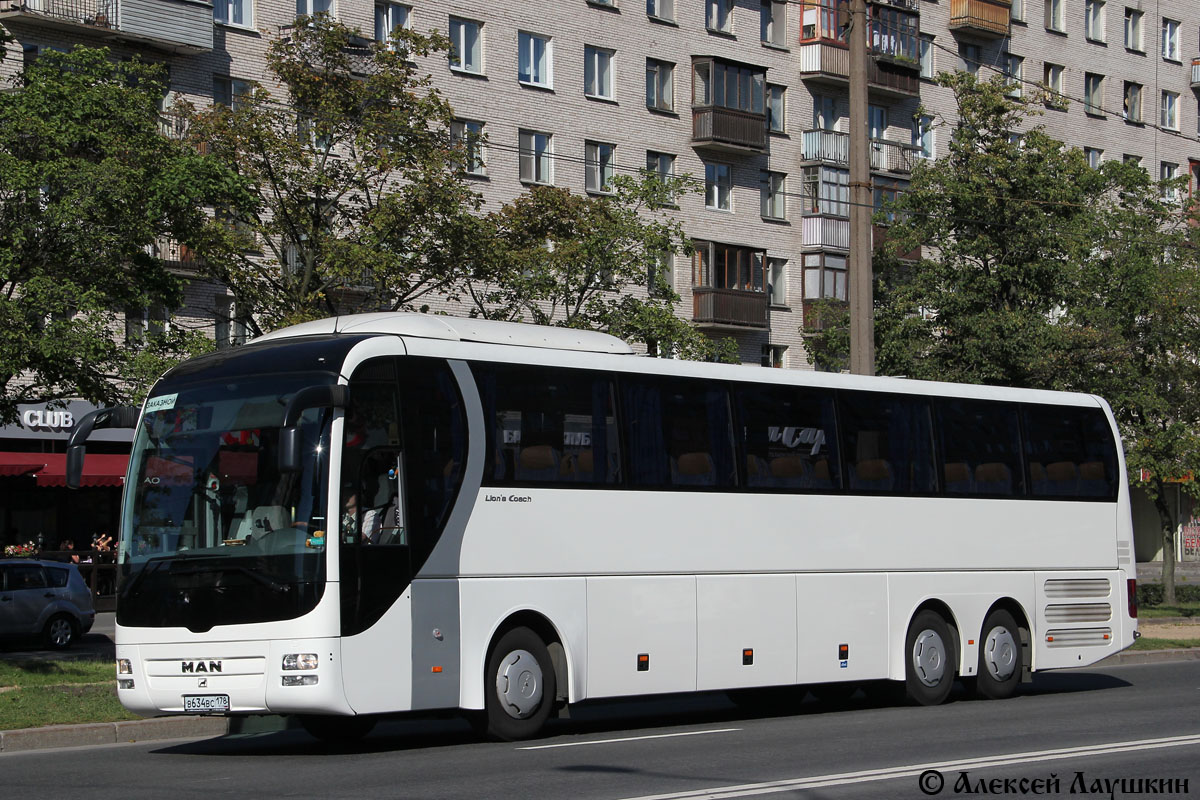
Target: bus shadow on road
640,716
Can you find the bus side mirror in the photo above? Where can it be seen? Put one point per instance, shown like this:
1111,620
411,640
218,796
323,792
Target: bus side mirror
289,435
116,417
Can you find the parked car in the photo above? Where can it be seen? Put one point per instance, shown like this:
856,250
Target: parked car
44,598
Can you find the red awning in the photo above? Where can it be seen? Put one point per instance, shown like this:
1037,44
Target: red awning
50,469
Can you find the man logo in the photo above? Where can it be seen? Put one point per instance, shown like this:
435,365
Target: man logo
202,683
200,666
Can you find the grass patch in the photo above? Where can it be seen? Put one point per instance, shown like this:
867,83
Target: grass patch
61,705
28,674
1146,643
1190,609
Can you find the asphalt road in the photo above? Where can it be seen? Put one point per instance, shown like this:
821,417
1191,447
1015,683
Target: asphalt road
1131,723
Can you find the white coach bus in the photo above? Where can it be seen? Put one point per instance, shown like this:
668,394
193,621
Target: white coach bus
384,513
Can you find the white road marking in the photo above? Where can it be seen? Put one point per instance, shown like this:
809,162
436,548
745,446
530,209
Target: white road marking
629,739
891,773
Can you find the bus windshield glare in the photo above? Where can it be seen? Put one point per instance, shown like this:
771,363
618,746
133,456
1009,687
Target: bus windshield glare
212,532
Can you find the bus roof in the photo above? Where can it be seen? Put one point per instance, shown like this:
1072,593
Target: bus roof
430,326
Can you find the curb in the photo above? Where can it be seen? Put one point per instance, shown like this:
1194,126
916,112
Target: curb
1126,657
139,730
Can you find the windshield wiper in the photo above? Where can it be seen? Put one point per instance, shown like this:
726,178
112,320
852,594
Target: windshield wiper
274,586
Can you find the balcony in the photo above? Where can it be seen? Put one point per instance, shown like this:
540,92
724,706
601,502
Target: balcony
824,233
732,308
173,26
833,147
827,63
1196,73
176,257
728,129
986,19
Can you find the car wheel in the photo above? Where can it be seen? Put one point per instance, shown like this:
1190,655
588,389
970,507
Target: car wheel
521,686
929,659
999,656
60,632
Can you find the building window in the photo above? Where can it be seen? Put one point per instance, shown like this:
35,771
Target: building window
824,277
773,22
824,112
389,17
310,7
661,9
1167,172
661,165
466,45
597,72
1093,20
141,323
923,136
774,195
826,191
1133,30
1129,158
229,327
1170,39
728,266
926,56
660,82
776,117
1132,109
536,156
777,281
827,20
1169,111
468,135
1052,79
718,186
1018,10
1093,93
1014,72
234,12
728,85
773,354
718,15
230,92
1054,16
877,122
892,32
599,166
969,57
534,60
1094,156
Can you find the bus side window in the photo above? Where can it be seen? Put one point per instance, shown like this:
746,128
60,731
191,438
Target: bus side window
887,442
1071,452
679,432
788,437
980,448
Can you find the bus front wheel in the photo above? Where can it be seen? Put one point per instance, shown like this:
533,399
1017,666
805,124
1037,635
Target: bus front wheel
928,659
520,686
999,656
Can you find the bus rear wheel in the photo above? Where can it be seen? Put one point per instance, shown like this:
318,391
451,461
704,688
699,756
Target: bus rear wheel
520,686
999,656
928,659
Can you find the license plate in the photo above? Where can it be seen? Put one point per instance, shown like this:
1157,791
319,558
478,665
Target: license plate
205,703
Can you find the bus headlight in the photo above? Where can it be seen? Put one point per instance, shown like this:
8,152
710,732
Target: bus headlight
293,661
124,667
299,680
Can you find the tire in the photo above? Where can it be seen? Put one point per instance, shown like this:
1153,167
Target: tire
1000,656
929,659
60,632
520,686
337,729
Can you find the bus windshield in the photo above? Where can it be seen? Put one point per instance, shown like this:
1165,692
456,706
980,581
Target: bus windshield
211,530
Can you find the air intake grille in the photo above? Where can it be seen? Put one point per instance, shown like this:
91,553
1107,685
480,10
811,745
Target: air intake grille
1077,587
1082,637
1078,612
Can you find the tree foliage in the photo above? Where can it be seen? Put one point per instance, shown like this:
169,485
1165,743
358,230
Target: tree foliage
87,186
590,261
358,199
1042,272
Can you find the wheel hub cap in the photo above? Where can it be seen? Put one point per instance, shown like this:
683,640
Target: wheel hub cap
1000,654
929,658
519,684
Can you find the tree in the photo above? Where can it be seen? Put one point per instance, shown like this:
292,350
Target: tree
590,261
1001,222
87,186
358,198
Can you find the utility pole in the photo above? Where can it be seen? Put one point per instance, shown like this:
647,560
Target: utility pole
862,281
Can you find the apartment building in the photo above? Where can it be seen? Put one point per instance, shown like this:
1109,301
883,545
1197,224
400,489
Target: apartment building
749,97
